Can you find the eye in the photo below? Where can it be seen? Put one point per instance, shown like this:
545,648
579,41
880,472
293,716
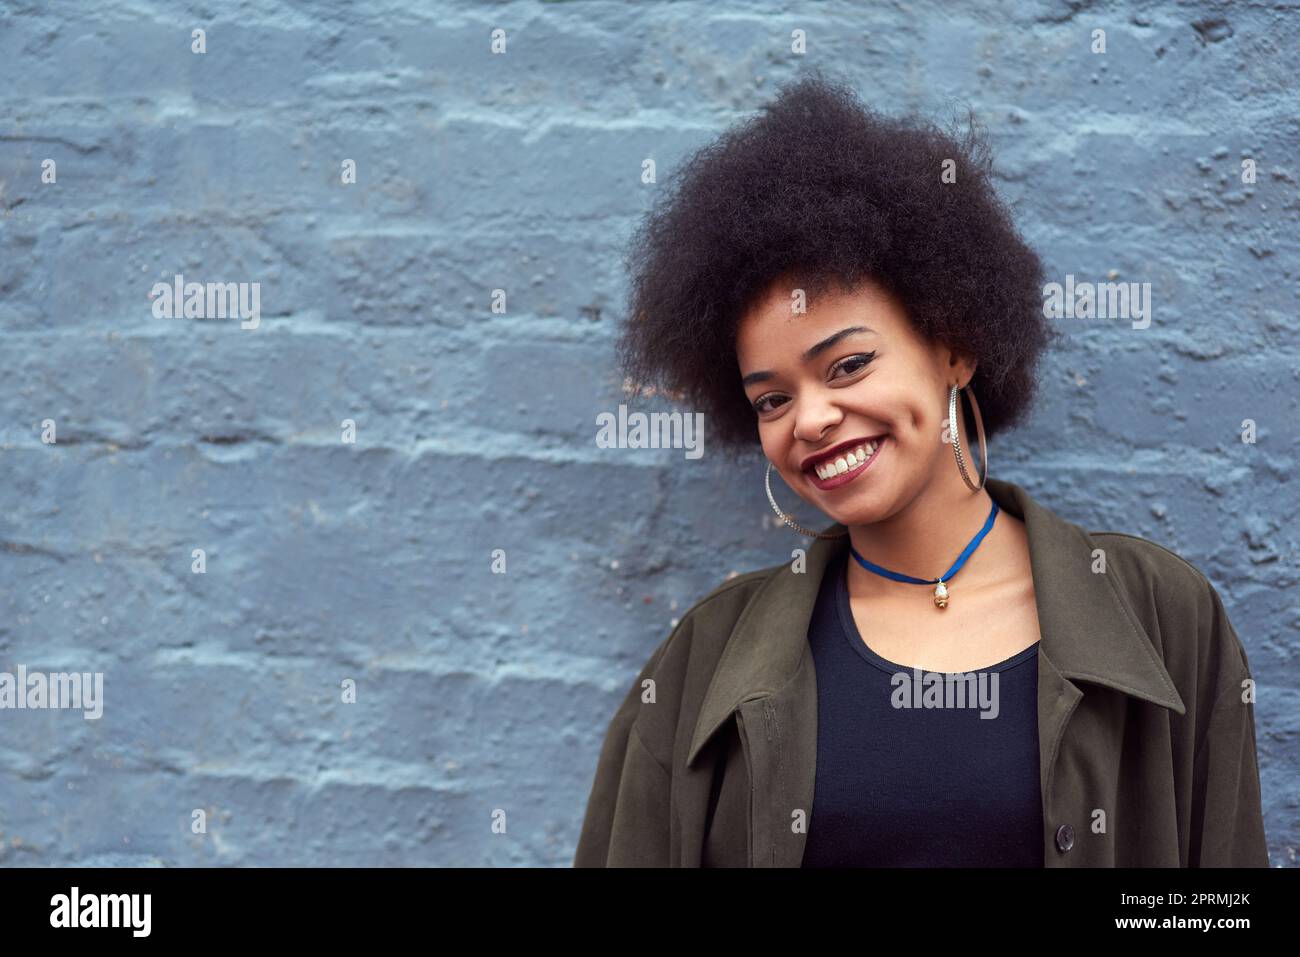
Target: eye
758,405
850,365
853,364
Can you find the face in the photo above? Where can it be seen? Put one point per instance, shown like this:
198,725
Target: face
849,372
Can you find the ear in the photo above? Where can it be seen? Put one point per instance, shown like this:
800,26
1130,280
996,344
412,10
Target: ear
959,364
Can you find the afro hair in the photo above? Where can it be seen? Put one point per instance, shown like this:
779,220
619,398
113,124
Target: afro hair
822,189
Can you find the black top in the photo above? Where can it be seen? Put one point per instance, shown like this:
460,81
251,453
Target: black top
905,780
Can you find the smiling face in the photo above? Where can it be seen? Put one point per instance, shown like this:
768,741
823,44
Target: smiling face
850,377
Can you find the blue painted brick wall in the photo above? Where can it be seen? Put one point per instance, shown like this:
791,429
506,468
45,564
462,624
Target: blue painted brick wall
520,171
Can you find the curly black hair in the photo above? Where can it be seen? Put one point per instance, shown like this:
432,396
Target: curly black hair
823,190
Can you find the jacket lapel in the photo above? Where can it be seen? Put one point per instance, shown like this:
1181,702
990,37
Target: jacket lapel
766,677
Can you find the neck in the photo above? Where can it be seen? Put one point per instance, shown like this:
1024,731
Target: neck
925,537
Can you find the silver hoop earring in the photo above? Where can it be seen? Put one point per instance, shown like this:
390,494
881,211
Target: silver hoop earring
953,420
767,481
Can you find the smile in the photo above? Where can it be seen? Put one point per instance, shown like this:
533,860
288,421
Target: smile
846,466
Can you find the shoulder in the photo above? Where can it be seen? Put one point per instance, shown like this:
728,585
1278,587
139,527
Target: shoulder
1142,554
683,663
732,595
1145,568
708,623
1177,605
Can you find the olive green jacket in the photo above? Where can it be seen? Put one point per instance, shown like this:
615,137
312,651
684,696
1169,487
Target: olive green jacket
1145,717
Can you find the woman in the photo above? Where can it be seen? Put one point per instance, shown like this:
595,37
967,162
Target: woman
952,674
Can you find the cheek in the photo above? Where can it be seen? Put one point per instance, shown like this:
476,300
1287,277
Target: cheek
901,415
923,422
776,449
917,430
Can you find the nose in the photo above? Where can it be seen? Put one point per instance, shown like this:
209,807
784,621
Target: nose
816,412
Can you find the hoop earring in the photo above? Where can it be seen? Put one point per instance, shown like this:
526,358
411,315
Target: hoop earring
953,420
767,481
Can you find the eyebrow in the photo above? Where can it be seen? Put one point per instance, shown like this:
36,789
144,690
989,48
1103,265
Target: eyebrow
812,353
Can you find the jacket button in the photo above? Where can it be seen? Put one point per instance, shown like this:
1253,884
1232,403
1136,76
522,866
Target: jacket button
1064,837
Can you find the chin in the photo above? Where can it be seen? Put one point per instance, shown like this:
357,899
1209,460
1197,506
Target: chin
862,506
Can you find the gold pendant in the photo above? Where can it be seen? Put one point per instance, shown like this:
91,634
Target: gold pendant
941,595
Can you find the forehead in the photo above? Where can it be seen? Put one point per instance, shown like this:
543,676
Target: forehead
771,330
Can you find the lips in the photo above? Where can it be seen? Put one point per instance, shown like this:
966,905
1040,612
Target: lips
817,463
844,463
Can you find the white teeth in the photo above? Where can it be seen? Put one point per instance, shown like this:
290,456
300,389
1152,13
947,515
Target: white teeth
849,460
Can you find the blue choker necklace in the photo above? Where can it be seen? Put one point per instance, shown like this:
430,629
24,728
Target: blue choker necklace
940,590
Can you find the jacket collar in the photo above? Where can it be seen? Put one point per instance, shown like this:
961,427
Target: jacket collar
1087,632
